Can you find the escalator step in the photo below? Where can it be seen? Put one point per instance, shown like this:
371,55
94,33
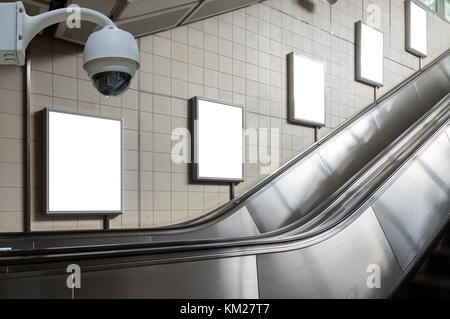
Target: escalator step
426,285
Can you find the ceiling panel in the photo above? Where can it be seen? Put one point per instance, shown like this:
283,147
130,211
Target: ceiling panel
80,35
137,8
214,7
142,17
154,22
34,7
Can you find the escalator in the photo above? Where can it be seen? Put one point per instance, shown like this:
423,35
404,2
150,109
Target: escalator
368,197
307,183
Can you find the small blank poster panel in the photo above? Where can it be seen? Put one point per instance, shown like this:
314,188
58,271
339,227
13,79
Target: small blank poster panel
306,90
416,29
84,164
369,55
218,141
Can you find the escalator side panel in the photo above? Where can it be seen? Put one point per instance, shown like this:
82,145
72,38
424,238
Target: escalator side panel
48,286
412,208
238,224
288,199
399,112
435,84
234,277
352,149
338,267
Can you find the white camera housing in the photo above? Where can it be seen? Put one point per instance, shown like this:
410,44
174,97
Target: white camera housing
11,29
111,58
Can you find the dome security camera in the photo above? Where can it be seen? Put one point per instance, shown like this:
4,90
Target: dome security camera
111,58
111,55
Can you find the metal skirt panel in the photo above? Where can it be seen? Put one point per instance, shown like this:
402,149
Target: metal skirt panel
36,286
232,277
338,267
417,202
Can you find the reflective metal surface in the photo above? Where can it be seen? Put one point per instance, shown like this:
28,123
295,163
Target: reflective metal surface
398,112
334,268
215,278
433,85
50,285
417,202
351,149
239,224
233,277
292,196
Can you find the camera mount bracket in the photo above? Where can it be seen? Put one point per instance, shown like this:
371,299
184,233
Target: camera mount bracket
17,28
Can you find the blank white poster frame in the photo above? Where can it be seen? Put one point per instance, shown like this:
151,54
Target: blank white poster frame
197,125
415,29
306,77
118,196
368,54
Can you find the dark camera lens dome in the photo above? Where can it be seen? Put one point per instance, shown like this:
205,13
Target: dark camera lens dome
111,83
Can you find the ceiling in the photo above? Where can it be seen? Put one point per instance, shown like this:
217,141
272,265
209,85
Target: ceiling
139,17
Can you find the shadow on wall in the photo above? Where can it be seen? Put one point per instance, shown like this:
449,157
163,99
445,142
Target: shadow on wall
307,5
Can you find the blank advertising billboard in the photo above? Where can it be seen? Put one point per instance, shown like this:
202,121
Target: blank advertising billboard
306,90
84,164
369,55
218,146
416,29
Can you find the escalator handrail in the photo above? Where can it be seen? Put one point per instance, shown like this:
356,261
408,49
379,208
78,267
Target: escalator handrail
104,251
234,204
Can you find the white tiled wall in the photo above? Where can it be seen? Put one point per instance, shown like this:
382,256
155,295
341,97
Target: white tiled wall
11,149
238,57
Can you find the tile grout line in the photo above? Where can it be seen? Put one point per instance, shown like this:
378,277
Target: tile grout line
139,141
153,128
53,105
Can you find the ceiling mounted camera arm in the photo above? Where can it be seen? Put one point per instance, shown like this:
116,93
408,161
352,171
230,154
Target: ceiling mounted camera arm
32,25
17,28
